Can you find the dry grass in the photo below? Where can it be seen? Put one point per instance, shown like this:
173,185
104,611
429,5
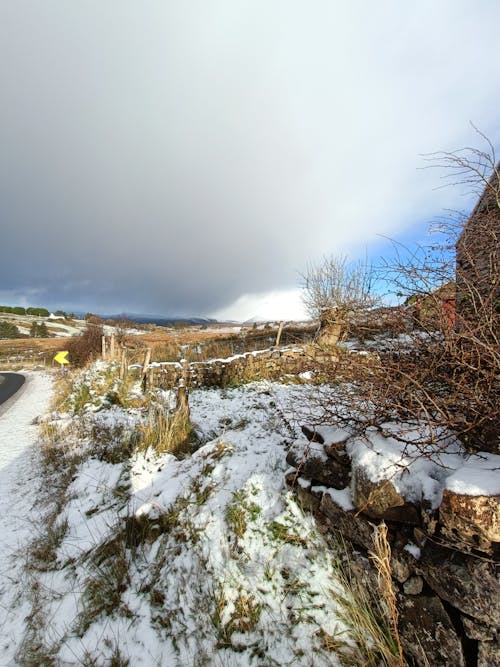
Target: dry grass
381,557
165,432
243,618
363,609
28,352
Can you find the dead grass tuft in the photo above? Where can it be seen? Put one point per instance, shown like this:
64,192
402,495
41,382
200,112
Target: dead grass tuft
381,557
166,432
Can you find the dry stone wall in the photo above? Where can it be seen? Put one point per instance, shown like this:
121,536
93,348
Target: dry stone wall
268,364
444,561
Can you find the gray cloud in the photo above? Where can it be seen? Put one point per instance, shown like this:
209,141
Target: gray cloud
172,157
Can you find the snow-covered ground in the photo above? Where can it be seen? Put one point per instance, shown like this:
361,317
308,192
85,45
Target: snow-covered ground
209,559
202,560
19,475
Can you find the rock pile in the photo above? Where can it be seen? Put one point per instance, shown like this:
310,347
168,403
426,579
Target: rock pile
444,558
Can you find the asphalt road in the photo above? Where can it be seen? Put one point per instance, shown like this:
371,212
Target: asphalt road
9,384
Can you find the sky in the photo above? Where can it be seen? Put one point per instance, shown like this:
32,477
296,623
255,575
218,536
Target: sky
193,158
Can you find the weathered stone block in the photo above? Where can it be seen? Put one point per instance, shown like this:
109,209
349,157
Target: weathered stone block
355,528
471,520
427,633
373,498
477,630
468,583
488,654
413,585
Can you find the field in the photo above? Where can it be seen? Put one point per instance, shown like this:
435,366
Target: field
167,344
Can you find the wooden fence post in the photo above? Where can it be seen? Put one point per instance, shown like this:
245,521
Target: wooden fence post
280,331
182,403
123,367
147,359
112,346
103,344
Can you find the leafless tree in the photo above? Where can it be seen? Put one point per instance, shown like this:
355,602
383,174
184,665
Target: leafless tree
334,291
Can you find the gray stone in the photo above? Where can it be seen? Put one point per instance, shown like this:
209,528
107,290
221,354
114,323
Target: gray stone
470,584
427,633
353,527
373,498
413,585
488,654
477,630
400,567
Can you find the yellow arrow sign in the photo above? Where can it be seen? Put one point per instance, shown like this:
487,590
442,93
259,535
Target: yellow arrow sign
61,358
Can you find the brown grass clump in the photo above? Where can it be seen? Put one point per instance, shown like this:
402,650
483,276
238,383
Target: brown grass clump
381,558
367,609
166,432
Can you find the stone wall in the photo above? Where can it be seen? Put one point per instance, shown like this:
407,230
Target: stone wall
444,561
478,254
268,364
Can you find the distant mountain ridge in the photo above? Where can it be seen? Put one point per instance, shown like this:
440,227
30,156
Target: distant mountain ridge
143,318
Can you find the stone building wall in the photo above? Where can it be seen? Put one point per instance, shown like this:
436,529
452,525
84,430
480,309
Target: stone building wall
478,253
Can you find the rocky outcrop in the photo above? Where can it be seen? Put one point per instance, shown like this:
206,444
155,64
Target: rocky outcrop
443,563
468,583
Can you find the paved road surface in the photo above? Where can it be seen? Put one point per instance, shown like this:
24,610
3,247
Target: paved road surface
9,384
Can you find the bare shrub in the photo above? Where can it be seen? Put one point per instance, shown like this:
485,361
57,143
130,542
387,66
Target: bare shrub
87,346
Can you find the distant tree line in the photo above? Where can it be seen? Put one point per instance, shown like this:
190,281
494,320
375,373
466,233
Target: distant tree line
19,310
10,330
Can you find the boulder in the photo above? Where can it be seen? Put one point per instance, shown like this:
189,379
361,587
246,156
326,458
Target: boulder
472,521
427,633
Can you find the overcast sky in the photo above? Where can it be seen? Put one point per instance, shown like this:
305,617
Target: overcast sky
192,157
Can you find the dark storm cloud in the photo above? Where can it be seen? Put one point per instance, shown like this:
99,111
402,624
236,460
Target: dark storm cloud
172,157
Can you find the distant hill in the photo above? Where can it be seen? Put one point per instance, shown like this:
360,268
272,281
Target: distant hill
161,320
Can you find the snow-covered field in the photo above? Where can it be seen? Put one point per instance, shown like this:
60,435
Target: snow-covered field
208,559
147,559
227,569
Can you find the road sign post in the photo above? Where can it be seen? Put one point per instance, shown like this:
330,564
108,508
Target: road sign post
61,357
